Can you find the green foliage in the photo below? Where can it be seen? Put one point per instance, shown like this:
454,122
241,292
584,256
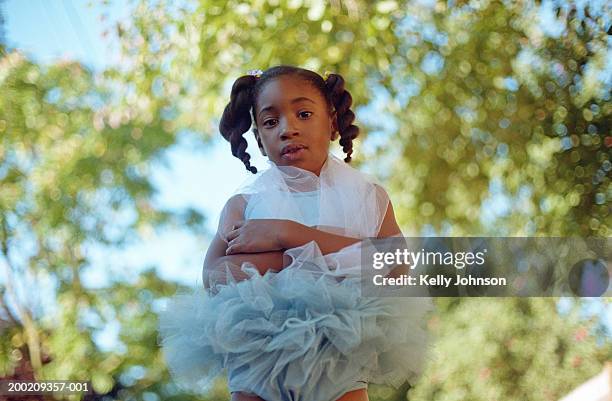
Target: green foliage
74,173
510,105
185,55
509,349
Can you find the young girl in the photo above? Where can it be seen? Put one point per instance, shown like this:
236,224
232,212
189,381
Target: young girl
282,312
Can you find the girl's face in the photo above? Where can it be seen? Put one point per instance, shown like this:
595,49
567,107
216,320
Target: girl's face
294,124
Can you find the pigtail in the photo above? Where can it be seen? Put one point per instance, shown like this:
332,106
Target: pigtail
236,118
342,101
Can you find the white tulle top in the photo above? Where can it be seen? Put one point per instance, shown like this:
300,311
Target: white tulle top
340,199
307,204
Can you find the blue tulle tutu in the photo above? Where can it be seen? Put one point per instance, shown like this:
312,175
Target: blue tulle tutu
299,334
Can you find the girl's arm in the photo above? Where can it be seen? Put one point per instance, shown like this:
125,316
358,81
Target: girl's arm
328,243
216,258
332,243
297,234
263,235
288,234
264,261
390,228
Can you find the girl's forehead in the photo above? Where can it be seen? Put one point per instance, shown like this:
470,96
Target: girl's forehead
285,89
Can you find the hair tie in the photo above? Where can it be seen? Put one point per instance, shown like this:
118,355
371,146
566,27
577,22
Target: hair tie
255,73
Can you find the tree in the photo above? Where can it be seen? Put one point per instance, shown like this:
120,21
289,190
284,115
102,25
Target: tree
504,105
509,349
73,174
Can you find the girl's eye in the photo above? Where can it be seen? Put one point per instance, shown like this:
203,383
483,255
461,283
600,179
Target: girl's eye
268,123
272,121
309,113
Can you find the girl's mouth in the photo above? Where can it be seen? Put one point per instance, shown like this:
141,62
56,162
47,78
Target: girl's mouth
293,152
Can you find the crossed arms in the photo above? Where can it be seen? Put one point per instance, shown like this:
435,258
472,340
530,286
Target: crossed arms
262,242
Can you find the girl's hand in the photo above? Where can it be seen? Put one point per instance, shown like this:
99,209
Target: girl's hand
258,235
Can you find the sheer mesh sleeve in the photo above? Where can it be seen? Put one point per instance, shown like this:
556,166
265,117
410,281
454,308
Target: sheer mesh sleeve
224,271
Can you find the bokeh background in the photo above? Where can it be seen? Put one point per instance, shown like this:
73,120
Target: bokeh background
482,118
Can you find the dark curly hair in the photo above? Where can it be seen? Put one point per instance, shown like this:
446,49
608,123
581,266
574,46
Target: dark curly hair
236,119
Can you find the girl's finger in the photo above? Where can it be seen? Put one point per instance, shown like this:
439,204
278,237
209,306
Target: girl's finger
232,234
232,246
232,249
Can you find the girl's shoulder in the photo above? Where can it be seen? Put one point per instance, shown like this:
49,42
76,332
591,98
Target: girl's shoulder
232,211
236,202
380,190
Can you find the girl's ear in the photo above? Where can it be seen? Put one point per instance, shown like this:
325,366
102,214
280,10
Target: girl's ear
334,126
261,148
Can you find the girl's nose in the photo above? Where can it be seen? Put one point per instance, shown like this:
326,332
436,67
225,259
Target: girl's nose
288,130
289,133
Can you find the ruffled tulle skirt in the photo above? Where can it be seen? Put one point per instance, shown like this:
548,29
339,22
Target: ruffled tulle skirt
303,333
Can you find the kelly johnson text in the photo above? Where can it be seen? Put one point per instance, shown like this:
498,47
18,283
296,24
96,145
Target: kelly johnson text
438,280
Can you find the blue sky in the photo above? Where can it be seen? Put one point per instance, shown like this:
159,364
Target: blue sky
71,29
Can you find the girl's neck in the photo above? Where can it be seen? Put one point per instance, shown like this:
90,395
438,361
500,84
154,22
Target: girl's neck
317,172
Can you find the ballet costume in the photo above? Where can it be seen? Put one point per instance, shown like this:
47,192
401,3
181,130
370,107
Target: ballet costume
304,333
